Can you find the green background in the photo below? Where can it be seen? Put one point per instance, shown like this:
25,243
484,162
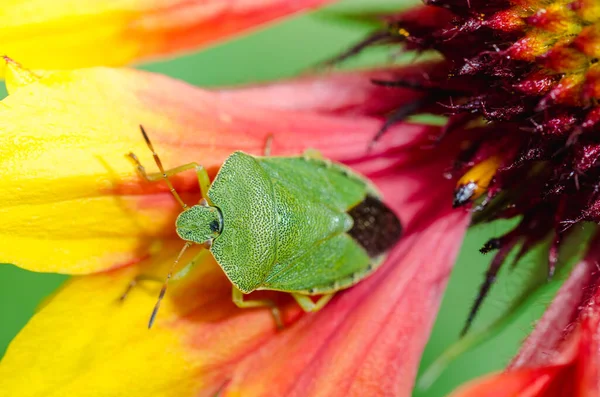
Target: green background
284,50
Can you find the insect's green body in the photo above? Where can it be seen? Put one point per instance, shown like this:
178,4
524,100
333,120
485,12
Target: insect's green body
282,223
302,225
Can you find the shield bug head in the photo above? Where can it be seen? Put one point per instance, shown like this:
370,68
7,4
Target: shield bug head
199,224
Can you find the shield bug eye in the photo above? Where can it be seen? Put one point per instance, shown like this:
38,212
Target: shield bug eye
214,226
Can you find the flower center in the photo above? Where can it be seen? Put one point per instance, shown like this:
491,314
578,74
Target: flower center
520,84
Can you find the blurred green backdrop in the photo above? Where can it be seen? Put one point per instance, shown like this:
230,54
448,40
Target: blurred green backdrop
285,50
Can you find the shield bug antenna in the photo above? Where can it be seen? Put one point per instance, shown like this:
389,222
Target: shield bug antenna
163,290
185,207
142,170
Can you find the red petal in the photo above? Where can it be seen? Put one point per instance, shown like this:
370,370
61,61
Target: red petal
521,383
351,93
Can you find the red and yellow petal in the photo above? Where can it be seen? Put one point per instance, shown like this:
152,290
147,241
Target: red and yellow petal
68,34
367,341
71,201
85,342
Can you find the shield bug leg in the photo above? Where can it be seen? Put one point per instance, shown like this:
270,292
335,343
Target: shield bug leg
311,154
172,276
307,304
268,144
184,271
136,281
238,298
203,179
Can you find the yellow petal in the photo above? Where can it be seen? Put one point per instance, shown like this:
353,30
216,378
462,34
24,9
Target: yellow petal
86,342
72,33
16,76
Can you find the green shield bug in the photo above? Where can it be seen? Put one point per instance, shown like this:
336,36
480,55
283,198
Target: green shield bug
302,225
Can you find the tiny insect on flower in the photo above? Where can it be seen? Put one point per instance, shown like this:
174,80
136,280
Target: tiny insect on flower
475,181
302,225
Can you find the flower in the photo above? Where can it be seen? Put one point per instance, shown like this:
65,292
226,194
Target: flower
74,196
521,95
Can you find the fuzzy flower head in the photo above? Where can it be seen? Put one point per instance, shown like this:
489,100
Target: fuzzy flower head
519,81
